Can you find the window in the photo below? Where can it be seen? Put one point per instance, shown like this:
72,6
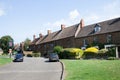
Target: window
97,28
44,46
95,39
85,42
52,45
38,46
109,38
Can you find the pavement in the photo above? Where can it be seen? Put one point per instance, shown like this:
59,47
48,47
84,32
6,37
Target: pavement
31,69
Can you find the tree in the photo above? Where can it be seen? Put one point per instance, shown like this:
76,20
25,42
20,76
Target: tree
6,43
26,44
58,49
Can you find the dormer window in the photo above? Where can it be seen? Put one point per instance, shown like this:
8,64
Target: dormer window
97,28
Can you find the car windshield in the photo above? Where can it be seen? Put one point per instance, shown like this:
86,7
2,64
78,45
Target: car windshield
19,55
53,54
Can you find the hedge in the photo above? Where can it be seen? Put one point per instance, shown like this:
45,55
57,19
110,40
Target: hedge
92,50
71,53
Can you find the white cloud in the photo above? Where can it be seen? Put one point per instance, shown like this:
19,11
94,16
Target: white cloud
74,14
2,12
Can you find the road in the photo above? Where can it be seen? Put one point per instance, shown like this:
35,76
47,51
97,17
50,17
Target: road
31,69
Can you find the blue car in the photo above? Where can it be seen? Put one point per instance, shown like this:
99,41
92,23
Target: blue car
18,58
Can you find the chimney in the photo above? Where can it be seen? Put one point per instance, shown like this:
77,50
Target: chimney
40,35
62,26
49,31
34,37
81,23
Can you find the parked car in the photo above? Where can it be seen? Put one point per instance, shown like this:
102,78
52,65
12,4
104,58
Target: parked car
53,57
19,56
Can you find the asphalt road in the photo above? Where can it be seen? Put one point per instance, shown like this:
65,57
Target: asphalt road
31,69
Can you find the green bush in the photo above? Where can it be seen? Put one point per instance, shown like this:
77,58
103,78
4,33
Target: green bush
89,55
29,55
71,53
36,54
102,54
111,52
102,51
58,49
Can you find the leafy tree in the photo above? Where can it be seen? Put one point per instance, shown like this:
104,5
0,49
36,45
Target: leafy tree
6,42
26,44
58,49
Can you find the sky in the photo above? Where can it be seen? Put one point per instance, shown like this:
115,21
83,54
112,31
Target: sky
21,19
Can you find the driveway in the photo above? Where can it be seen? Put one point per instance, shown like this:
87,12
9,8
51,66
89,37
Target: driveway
31,69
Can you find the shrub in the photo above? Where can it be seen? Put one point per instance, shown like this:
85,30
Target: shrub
36,54
58,49
29,55
92,50
102,51
102,54
74,53
90,53
111,52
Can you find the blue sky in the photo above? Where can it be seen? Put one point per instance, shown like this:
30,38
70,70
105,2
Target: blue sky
22,19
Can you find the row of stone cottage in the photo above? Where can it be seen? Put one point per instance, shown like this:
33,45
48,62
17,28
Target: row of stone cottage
79,36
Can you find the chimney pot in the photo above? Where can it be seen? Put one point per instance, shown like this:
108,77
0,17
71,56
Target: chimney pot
40,35
34,37
81,23
49,31
62,26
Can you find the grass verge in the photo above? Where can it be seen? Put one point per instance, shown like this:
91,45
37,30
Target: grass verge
4,61
92,69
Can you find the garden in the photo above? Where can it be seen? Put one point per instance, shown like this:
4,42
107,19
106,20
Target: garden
88,53
89,64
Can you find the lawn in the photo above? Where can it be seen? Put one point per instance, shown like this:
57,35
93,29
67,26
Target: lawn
4,61
92,69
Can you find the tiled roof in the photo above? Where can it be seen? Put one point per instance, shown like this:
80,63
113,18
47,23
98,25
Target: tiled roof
49,37
106,27
67,32
35,40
